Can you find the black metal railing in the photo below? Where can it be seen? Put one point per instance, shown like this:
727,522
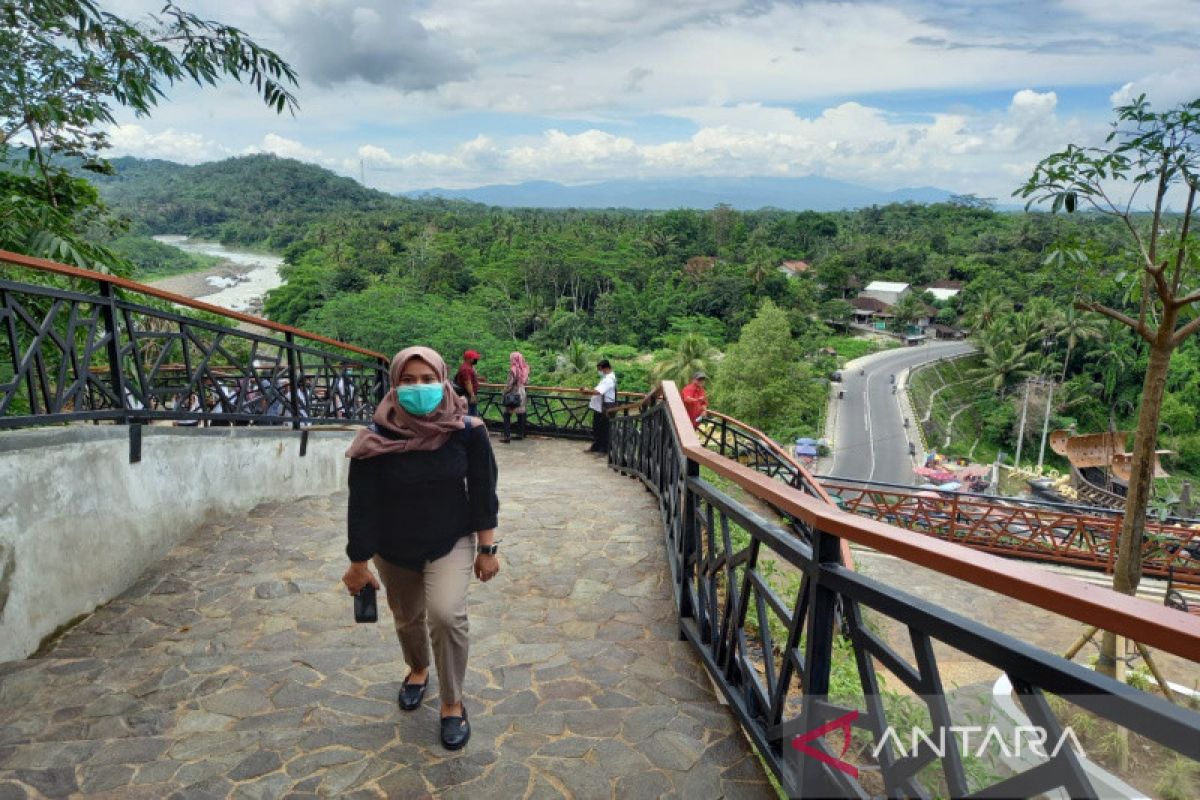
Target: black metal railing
775,652
111,354
746,445
550,410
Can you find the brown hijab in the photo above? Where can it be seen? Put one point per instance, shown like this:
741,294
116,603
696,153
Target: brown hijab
408,432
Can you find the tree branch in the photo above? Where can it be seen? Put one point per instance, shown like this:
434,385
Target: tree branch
1187,300
1160,283
1183,333
1133,231
1158,203
1177,277
1137,326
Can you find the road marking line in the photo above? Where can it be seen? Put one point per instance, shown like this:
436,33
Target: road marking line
870,437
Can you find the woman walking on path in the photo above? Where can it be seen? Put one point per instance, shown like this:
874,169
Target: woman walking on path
518,379
423,507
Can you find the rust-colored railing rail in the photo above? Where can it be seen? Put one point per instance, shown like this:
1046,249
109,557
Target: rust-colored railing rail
1039,534
1140,620
102,279
107,351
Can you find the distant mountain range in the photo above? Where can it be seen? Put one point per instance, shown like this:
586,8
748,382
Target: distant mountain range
793,194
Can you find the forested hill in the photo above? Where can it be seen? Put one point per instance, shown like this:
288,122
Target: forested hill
651,289
810,193
260,199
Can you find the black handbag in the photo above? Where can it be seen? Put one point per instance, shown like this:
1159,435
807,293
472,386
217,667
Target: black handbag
511,399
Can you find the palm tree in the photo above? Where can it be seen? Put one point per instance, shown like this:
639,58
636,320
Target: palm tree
1114,359
1077,327
1024,328
987,308
573,360
1048,315
1003,363
1043,363
759,267
693,353
908,310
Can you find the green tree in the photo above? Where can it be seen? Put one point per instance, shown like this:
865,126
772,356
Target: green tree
762,381
1003,363
837,311
908,310
1161,151
692,353
574,360
1113,360
65,66
986,309
1076,327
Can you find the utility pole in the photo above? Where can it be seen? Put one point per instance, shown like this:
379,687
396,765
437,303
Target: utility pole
1021,430
362,175
1046,423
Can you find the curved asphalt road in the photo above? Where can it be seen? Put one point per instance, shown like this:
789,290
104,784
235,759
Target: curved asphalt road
869,441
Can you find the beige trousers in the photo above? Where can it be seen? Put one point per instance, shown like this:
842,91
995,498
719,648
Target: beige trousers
431,605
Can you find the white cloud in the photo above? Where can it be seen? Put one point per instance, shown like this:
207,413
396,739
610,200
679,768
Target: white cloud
184,147
1163,89
1029,103
429,92
286,148
981,153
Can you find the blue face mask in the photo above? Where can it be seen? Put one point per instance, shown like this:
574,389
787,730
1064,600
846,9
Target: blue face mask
419,398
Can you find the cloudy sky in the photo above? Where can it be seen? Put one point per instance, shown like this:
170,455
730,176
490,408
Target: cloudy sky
965,95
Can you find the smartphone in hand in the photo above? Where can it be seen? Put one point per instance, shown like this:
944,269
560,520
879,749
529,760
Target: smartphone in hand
365,609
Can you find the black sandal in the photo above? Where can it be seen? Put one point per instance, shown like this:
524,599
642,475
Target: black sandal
411,694
456,731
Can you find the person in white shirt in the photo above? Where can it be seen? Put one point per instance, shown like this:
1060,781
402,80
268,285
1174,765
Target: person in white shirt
604,397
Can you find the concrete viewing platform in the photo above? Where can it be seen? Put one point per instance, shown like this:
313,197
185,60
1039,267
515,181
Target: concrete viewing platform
233,667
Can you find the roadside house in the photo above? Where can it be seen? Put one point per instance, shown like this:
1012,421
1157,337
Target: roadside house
872,312
794,269
944,290
888,292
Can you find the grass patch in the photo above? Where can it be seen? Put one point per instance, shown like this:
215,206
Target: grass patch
851,347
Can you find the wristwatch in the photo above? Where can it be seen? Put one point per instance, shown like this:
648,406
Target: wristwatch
488,549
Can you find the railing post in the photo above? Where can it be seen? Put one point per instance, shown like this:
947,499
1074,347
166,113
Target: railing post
116,371
1113,543
293,387
818,656
691,538
384,377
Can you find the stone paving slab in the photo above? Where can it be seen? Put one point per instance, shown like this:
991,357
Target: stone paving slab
233,668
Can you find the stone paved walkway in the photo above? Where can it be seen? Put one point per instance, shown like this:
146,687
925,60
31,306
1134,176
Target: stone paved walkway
233,668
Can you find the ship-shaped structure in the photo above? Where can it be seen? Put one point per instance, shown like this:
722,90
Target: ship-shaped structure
1100,465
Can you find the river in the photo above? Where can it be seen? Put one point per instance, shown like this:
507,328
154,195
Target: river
239,282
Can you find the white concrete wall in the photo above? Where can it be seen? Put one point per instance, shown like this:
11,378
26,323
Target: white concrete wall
79,523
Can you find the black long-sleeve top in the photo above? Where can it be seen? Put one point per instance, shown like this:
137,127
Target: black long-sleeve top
413,507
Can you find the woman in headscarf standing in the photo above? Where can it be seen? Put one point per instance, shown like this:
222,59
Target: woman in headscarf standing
423,507
514,389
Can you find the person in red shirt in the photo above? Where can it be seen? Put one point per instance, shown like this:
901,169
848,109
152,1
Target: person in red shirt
468,379
695,400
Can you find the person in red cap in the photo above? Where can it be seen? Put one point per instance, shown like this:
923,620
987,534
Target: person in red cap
467,378
695,399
